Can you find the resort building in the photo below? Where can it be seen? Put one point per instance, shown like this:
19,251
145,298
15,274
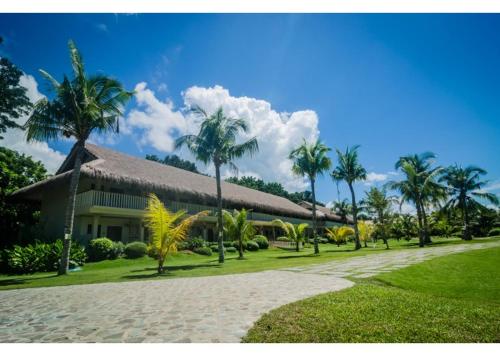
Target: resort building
112,196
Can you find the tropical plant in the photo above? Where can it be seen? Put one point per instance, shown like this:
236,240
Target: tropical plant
295,233
403,226
205,251
420,187
80,106
167,229
464,188
343,209
350,170
261,241
100,249
378,204
252,245
365,230
136,249
310,160
238,228
339,234
216,143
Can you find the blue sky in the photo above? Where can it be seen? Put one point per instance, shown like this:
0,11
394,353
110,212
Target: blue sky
395,84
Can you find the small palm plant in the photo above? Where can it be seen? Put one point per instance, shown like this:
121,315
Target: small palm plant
216,143
81,105
295,233
350,170
365,231
167,229
238,228
310,160
339,234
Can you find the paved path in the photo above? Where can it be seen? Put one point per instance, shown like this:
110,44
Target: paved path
202,309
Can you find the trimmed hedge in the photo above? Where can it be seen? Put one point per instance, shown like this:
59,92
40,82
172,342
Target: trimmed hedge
236,244
261,241
283,238
231,249
228,243
136,249
206,251
494,232
252,246
101,249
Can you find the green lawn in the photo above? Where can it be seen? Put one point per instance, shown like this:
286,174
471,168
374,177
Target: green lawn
191,265
449,299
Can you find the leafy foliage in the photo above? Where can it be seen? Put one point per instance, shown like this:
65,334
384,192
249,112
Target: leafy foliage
135,249
340,234
237,227
174,161
101,248
261,241
206,251
252,245
294,233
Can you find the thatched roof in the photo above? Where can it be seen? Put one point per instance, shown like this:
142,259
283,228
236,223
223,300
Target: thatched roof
325,212
150,176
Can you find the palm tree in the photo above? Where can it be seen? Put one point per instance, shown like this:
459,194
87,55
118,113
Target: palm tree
237,227
81,105
350,170
167,229
339,234
295,233
377,203
420,187
310,160
216,143
365,231
343,209
464,186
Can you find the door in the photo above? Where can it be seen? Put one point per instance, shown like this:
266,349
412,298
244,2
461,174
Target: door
114,233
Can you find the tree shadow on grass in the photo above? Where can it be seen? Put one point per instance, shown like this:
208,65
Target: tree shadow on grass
168,271
19,281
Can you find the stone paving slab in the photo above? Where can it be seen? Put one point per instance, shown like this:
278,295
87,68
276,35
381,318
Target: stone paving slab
201,309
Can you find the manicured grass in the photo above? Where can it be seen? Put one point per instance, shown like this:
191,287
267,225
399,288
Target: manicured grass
449,299
191,265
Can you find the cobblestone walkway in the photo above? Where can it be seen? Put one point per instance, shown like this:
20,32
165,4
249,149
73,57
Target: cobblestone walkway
201,309
370,265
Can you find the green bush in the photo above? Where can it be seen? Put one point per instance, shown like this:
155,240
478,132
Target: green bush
206,251
231,249
494,232
227,243
236,245
322,240
135,249
40,257
252,246
192,244
100,249
117,250
215,248
261,241
283,238
152,252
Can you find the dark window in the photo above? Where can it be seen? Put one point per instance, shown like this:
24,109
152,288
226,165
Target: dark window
89,229
114,233
92,186
102,188
116,190
98,230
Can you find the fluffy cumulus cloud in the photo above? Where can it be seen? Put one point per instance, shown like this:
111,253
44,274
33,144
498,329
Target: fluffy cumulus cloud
15,139
158,123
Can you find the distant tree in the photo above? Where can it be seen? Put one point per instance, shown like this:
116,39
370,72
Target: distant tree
378,204
16,171
343,209
216,143
310,160
295,233
350,170
13,100
174,161
80,106
238,228
339,234
464,186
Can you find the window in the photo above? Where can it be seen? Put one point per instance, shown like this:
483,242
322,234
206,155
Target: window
98,230
89,229
92,186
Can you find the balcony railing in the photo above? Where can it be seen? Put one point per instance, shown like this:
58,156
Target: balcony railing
86,200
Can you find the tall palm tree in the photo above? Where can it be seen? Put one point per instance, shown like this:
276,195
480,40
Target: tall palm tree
81,105
343,209
311,160
464,186
420,187
216,143
295,233
238,228
350,170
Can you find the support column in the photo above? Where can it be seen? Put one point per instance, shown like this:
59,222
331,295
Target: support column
95,223
141,231
205,232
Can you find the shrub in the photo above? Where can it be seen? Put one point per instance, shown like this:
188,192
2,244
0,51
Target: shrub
283,238
494,232
252,246
227,243
261,241
135,249
322,240
152,252
215,248
194,243
231,249
206,251
117,250
236,244
100,249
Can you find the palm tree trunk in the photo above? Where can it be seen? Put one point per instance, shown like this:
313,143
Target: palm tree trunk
465,230
161,260
355,218
297,246
427,237
421,237
315,237
219,214
70,209
240,247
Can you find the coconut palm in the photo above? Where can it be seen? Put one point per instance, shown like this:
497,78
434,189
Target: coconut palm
420,187
167,229
365,230
464,186
350,170
343,209
295,233
339,234
378,204
81,105
238,228
310,160
216,143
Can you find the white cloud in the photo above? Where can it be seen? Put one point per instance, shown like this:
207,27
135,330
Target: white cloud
157,123
372,178
491,187
102,27
15,139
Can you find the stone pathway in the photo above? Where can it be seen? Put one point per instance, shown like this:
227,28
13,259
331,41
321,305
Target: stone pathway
370,265
201,309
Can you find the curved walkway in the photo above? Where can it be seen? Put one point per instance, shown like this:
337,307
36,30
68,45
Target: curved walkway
201,309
